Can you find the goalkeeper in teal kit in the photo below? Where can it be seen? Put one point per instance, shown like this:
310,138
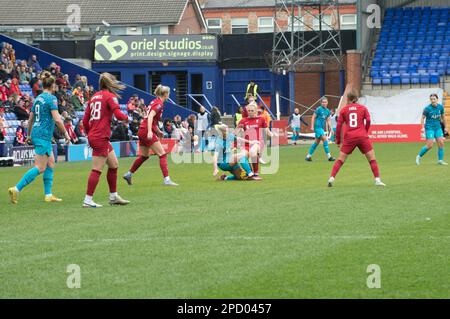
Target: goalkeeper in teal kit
41,124
320,121
434,117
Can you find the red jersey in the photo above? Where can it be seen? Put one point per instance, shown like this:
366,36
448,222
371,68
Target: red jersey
357,120
98,115
158,106
252,127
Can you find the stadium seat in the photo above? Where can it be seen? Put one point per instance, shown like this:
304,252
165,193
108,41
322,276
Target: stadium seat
424,78
434,78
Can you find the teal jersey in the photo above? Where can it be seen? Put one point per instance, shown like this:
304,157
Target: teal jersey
322,114
44,125
433,116
223,148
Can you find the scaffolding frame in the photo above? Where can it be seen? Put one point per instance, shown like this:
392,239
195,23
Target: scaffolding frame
292,49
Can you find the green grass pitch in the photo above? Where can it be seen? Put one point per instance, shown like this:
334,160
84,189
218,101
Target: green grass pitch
288,236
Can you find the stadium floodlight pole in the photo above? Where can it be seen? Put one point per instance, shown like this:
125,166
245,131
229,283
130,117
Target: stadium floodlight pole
277,102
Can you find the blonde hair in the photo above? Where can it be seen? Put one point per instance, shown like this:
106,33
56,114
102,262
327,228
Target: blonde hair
47,80
108,82
161,90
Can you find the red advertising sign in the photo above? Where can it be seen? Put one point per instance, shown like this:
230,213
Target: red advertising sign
167,144
395,133
282,132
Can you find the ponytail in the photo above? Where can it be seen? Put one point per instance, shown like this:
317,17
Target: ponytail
108,82
47,80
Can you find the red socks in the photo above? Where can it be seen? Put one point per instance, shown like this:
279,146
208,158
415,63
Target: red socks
337,166
163,165
94,177
137,163
255,166
374,167
112,179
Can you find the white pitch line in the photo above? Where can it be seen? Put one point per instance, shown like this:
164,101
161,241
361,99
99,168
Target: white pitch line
247,238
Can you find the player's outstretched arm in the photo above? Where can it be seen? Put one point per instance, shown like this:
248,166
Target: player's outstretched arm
313,121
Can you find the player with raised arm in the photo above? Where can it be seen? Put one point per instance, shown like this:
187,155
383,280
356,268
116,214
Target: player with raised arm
41,124
357,119
230,160
253,126
433,115
319,123
148,137
97,123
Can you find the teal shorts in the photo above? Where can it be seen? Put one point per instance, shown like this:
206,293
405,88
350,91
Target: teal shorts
42,147
228,168
319,132
434,133
296,129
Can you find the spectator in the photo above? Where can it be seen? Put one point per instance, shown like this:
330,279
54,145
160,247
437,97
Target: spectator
132,104
135,123
35,64
119,132
37,88
265,115
202,127
3,125
21,135
23,75
191,120
70,130
3,73
177,121
4,92
238,116
252,90
215,117
18,106
77,99
167,128
81,133
14,88
15,72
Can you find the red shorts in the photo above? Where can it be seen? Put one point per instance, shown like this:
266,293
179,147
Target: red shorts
144,141
248,146
363,143
100,147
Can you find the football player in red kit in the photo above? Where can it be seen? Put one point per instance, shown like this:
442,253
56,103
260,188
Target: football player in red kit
253,125
97,122
148,137
357,120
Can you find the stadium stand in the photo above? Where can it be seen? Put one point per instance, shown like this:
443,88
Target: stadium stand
413,47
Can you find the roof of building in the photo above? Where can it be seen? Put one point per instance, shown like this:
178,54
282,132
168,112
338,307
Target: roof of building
92,12
217,4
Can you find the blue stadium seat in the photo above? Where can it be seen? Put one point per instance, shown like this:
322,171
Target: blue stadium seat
434,78
415,78
424,78
376,81
405,78
395,79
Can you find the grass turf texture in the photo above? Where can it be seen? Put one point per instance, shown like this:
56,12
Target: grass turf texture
288,236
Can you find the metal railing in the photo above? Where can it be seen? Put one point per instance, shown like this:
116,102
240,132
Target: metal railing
192,97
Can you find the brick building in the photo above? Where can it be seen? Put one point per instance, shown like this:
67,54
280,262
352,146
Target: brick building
257,16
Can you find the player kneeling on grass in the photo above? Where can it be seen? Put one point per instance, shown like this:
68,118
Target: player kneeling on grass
41,124
230,160
97,122
433,116
148,137
357,119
